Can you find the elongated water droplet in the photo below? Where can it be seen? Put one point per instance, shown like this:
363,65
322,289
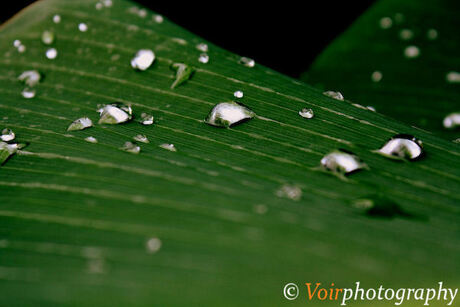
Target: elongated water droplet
335,95
47,37
247,62
453,77
80,124
202,47
406,34
146,119
7,135
56,18
28,93
91,139
376,206
7,150
30,77
113,114
341,162
402,147
227,114
376,76
292,192
141,138
131,148
411,52
153,245
452,121
169,147
432,34
82,27
385,22
306,113
143,59
51,53
203,58
371,108
183,73
238,94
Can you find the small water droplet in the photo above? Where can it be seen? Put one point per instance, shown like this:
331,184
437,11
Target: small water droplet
146,119
22,49
453,77
432,34
158,18
99,6
385,22
82,27
7,135
169,147
203,58
143,59
131,148
51,53
376,76
80,124
342,162
17,43
238,94
306,113
28,93
47,37
406,34
335,95
30,77
56,18
402,147
247,62
183,73
376,206
292,192
91,139
202,47
227,114
411,52
114,114
7,150
153,245
451,121
141,138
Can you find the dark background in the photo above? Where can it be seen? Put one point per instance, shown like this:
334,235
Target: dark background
281,35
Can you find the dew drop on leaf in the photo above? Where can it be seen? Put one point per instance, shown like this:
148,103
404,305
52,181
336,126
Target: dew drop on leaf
30,77
292,192
451,121
406,34
385,22
153,245
341,162
7,135
7,150
402,147
28,93
238,94
411,52
335,95
306,113
203,58
146,119
56,18
183,73
131,148
91,139
169,147
113,114
376,76
227,114
22,49
47,37
141,138
202,47
80,124
453,77
82,27
17,43
51,53
158,18
432,34
143,59
247,62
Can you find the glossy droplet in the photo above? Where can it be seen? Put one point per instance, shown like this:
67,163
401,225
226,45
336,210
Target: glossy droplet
158,18
80,124
153,245
411,52
371,108
453,77
17,43
21,49
143,59
203,58
335,95
91,139
183,73
202,47
56,18
306,113
385,22
406,34
51,53
292,192
7,150
376,76
432,34
141,138
7,135
341,162
131,148
30,77
238,94
146,119
247,62
451,121
402,146
376,206
82,27
227,114
28,93
169,147
113,114
47,37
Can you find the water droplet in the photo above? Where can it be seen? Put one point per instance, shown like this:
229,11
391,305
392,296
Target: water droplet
80,124
143,59
406,34
247,62
114,114
30,77
342,162
56,18
131,148
306,113
83,27
183,73
376,76
142,13
376,206
453,77
203,58
227,114
335,95
28,93
432,34
238,94
456,141
385,22
17,43
371,108
158,18
141,138
451,121
202,47
292,192
153,245
107,3
169,147
22,49
91,139
411,52
47,37
7,135
402,147
99,6
51,53
7,150
146,119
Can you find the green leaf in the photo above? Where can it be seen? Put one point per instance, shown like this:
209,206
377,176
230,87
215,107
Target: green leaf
413,90
220,220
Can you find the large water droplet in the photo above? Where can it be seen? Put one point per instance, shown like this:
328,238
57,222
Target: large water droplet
28,93
453,77
452,121
183,73
141,138
202,47
402,147
51,53
342,162
153,245
47,37
227,114
385,22
82,27
247,62
7,135
203,58
238,94
306,113
131,148
114,114
169,147
146,119
30,77
80,124
335,95
411,52
91,139
143,59
376,76
292,192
